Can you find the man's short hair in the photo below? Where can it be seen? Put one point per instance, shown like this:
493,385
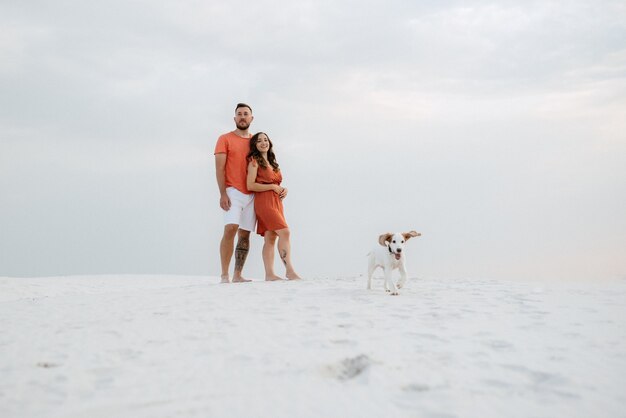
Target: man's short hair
242,105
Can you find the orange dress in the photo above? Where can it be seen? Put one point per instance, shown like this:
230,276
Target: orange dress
267,205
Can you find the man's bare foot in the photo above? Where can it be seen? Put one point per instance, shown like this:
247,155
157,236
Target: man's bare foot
240,280
225,279
273,278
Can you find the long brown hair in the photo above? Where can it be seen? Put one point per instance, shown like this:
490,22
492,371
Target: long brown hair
256,154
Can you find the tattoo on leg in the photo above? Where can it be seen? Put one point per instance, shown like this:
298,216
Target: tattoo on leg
283,256
241,252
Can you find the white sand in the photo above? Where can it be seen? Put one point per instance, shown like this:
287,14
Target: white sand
163,346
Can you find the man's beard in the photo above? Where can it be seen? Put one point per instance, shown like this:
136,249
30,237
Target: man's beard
243,125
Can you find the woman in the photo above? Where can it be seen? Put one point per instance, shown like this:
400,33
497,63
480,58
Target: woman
264,178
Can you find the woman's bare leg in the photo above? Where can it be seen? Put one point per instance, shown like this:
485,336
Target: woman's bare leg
268,255
284,251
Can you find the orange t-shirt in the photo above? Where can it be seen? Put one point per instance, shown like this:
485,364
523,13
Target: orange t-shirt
236,149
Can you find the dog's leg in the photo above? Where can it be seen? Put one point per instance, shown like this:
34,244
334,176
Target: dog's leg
371,266
389,285
385,281
402,280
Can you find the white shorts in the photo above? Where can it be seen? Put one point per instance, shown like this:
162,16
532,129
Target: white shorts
241,210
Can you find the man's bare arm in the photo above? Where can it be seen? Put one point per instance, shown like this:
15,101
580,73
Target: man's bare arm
220,174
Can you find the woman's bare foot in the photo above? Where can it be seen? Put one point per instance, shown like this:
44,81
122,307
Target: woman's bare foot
273,278
293,276
225,278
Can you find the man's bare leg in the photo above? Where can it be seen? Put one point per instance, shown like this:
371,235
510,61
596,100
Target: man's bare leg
226,249
284,250
241,253
268,256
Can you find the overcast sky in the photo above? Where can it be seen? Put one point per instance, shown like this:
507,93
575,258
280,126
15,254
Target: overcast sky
497,129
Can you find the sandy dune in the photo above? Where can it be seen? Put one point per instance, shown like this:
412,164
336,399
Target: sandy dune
161,346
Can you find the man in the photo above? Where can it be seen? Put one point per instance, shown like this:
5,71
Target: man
235,198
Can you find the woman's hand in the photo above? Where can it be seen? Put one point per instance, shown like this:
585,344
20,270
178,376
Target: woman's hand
280,191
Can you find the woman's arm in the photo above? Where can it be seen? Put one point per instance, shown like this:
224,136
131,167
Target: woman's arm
253,186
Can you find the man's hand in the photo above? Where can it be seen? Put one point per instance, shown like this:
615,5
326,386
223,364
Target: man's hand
225,202
220,173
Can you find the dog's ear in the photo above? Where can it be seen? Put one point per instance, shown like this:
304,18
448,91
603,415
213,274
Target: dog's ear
410,234
383,238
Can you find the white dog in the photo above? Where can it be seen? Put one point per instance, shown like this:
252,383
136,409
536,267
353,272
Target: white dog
390,257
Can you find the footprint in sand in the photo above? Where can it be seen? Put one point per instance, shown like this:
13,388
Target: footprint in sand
416,387
499,345
128,354
349,368
47,364
345,342
535,376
